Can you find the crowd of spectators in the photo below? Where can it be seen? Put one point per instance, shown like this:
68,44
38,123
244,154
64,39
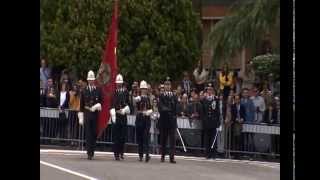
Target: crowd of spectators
255,104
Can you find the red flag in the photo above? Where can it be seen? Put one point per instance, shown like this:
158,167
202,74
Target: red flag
108,71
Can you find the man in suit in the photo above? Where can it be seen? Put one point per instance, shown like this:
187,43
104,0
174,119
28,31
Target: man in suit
211,121
90,105
249,116
119,111
237,118
168,120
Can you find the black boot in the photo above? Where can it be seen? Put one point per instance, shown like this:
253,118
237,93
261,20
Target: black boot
121,156
208,156
162,158
116,157
213,155
140,157
90,155
147,158
172,159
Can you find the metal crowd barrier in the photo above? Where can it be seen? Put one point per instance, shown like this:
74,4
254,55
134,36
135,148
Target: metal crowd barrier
255,138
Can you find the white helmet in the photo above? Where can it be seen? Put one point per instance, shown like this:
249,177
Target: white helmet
119,79
143,85
91,76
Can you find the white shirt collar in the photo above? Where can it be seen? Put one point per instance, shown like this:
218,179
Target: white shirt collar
63,97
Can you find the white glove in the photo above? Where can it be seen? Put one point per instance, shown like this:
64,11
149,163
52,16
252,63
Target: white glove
91,109
80,117
137,99
122,111
219,128
113,115
147,112
126,110
96,107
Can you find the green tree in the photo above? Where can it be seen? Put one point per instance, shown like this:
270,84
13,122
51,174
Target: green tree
156,38
246,25
265,65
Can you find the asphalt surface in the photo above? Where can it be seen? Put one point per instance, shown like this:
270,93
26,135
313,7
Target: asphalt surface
187,168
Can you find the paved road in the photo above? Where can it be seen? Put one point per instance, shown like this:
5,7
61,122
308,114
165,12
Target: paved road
104,167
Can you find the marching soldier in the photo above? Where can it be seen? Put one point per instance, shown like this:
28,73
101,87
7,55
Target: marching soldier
210,121
119,110
143,122
90,104
168,120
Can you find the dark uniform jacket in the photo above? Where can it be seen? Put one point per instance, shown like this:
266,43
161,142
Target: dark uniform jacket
120,100
211,117
143,105
89,99
167,108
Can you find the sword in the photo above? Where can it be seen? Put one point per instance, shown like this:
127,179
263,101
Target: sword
215,138
184,147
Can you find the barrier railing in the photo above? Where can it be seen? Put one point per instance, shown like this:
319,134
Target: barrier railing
259,139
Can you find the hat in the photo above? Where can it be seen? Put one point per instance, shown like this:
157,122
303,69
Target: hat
119,79
143,85
91,76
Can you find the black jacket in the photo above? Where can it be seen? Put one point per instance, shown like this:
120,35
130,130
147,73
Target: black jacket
181,108
234,112
51,102
119,101
274,116
211,117
42,98
90,98
142,120
167,108
195,108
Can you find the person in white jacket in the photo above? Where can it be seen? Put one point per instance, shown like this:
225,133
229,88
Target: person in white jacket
259,105
200,75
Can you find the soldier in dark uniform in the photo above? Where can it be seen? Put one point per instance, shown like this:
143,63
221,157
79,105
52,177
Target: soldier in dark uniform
143,122
168,121
119,111
90,105
210,121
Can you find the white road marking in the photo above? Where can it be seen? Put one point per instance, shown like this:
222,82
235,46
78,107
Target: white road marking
199,159
67,170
